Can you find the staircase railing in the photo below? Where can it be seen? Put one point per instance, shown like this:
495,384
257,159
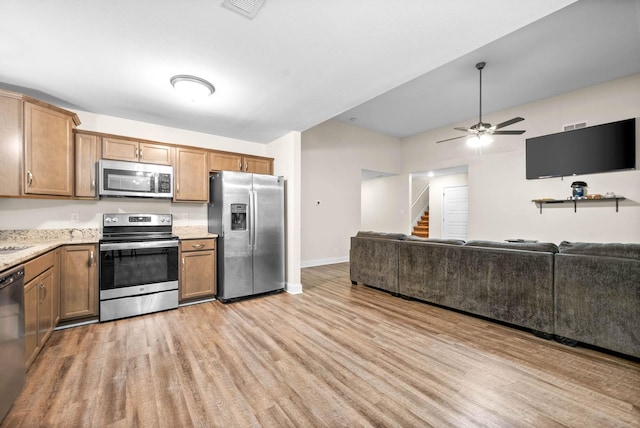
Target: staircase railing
417,214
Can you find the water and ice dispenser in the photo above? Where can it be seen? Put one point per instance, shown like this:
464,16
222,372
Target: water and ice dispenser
238,216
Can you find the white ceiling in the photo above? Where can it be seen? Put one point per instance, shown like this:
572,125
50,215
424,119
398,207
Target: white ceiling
399,67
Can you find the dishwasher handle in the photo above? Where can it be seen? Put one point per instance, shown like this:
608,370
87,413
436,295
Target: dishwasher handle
11,278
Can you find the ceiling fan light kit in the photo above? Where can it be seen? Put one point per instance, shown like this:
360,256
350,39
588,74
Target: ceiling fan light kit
480,134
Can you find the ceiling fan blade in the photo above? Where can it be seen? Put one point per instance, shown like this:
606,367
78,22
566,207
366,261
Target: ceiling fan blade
463,129
454,138
509,122
509,132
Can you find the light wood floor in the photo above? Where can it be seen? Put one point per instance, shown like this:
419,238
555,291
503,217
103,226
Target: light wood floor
336,355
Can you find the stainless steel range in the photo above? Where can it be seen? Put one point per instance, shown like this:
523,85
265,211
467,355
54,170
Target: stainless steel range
138,265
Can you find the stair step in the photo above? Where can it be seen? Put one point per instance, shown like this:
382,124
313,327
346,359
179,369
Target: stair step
422,229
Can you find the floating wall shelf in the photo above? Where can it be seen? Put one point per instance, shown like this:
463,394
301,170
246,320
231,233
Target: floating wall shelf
575,202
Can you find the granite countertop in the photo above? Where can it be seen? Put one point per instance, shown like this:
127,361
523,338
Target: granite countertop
40,241
193,232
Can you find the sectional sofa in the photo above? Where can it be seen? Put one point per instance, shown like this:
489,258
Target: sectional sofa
576,292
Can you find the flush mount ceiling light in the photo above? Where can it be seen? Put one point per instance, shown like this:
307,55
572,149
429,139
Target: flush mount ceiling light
192,87
247,8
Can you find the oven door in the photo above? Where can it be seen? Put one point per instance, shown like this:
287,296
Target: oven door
135,268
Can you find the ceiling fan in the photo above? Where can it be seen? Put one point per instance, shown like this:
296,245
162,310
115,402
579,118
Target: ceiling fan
482,130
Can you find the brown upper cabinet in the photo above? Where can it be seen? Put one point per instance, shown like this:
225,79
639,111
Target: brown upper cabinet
191,175
88,149
136,151
226,161
36,144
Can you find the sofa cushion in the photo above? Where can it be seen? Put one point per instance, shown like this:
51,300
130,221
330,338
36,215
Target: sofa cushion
381,235
624,251
436,240
546,247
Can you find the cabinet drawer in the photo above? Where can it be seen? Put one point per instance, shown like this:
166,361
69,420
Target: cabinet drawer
198,244
35,267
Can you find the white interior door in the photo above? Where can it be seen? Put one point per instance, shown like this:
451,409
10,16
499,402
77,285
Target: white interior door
455,212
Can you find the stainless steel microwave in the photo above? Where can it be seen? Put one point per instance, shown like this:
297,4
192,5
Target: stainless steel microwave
121,178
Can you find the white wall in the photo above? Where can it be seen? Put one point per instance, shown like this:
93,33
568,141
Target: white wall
18,213
286,151
384,203
333,155
500,196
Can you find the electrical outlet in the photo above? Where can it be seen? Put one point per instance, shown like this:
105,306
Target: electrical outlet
75,217
185,216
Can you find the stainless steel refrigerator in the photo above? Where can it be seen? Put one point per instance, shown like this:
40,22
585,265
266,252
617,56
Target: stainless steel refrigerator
247,212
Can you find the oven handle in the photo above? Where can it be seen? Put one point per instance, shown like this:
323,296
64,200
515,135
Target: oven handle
137,245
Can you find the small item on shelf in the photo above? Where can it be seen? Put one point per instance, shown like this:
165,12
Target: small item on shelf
595,196
609,195
579,189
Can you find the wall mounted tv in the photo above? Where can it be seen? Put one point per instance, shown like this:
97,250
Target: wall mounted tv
601,148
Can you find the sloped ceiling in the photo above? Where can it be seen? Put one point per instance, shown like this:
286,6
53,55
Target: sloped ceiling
398,67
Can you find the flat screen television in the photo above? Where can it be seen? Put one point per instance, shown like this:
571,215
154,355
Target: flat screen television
601,148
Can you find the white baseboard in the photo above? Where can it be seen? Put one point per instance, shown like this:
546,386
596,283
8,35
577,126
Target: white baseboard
322,262
294,288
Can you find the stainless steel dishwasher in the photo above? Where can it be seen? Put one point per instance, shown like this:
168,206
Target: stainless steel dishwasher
12,367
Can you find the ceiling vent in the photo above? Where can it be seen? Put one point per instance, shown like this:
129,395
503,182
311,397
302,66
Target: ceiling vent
574,126
247,8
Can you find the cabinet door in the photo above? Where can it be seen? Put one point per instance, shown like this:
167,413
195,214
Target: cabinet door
198,274
113,148
191,175
156,153
78,282
10,145
221,161
87,154
258,165
31,295
46,320
48,151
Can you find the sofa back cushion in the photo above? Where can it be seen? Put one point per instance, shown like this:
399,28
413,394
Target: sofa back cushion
546,247
623,251
381,235
435,240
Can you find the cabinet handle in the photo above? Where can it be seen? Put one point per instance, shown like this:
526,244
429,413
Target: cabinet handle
246,166
42,287
197,246
91,261
178,187
136,153
140,154
29,178
183,262
239,164
93,183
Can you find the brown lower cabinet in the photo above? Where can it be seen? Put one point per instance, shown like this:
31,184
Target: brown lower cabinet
39,297
78,282
197,269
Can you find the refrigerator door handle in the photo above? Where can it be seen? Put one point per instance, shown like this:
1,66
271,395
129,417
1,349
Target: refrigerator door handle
256,220
252,221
